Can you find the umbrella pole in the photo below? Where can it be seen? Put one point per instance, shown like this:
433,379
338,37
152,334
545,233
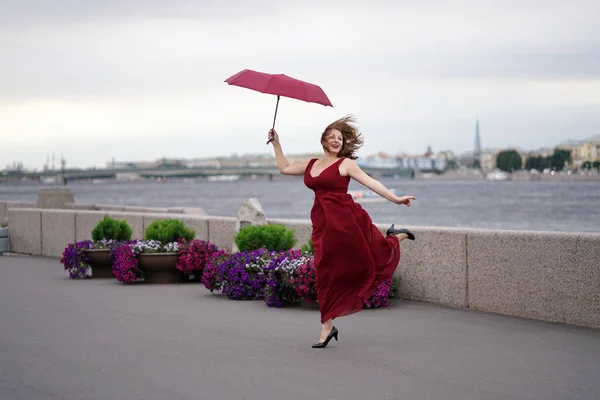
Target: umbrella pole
274,118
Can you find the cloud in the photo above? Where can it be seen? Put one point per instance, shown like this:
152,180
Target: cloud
413,73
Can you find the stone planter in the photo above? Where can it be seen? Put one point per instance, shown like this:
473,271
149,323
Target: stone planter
100,263
3,240
160,268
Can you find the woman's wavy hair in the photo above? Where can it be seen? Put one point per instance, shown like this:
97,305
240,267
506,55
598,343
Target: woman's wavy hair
352,137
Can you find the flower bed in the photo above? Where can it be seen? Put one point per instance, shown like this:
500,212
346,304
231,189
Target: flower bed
192,257
280,278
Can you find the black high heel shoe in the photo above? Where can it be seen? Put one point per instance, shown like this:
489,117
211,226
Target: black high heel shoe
332,334
394,231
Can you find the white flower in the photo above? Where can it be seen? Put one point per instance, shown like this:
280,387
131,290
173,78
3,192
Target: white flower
259,263
146,246
289,266
172,247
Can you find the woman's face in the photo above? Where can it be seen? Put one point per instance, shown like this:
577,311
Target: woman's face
333,141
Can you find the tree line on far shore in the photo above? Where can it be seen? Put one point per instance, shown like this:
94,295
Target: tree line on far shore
510,160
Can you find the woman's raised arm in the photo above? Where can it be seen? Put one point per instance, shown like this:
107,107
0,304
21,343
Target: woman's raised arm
283,164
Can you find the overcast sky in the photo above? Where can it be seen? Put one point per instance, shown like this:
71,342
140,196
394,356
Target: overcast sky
142,79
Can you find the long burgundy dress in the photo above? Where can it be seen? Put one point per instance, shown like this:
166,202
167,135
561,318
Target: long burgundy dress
352,257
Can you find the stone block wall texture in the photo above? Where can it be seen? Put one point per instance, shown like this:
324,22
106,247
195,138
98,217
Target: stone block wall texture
139,209
197,223
25,230
85,221
6,205
433,267
75,206
58,230
124,208
198,211
221,231
109,207
539,275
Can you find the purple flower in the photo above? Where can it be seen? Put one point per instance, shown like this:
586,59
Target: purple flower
279,277
125,262
75,260
380,297
277,292
241,276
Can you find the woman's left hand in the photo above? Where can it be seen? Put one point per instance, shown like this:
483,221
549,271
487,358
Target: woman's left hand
405,200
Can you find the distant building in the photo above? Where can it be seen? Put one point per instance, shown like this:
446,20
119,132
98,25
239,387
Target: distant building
380,160
488,160
427,162
447,155
203,163
587,150
541,153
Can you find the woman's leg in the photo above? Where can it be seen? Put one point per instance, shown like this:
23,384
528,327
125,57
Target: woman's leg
325,329
402,236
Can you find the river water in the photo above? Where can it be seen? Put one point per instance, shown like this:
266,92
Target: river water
571,206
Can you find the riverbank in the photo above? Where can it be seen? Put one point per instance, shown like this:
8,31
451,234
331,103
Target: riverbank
472,175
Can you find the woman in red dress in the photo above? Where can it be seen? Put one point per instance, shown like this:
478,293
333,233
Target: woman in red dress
352,257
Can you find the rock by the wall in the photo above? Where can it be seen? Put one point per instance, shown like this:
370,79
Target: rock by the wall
249,213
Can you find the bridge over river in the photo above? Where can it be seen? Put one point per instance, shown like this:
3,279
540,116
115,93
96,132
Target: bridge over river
179,172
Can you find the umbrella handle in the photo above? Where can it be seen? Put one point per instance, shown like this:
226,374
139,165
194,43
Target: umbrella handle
271,136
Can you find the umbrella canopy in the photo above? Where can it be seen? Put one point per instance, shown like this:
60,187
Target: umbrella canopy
279,85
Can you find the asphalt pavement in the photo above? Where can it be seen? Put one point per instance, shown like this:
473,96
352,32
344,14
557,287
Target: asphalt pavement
100,339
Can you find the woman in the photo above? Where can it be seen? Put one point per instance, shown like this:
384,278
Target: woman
351,256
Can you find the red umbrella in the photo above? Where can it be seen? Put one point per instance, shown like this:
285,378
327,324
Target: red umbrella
280,85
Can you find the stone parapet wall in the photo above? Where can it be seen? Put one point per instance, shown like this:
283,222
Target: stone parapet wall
138,209
42,204
6,205
550,276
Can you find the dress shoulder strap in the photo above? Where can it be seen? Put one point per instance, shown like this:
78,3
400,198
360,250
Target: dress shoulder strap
310,163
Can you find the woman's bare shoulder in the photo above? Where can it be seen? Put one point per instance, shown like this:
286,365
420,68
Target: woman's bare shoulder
347,165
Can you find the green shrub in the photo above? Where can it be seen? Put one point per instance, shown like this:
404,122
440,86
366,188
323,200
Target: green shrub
168,230
273,237
308,247
109,228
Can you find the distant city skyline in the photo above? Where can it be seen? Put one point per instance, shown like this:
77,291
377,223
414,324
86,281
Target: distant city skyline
54,163
139,80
